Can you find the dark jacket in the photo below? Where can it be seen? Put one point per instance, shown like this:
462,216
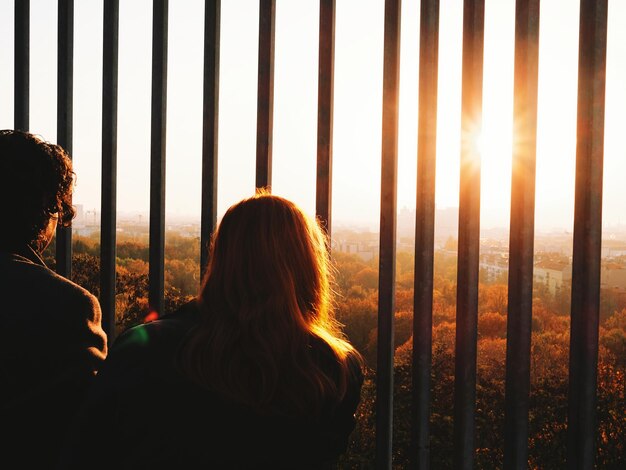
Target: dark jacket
146,414
51,344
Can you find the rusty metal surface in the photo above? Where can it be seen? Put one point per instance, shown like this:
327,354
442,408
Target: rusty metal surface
210,114
388,209
582,425
521,238
109,165
424,234
156,273
22,65
265,93
469,236
326,72
65,82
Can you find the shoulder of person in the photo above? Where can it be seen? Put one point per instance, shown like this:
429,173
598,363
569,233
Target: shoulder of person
22,267
325,353
356,367
73,296
45,284
170,327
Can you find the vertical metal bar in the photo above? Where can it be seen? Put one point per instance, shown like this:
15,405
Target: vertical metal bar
265,93
521,238
156,273
424,233
326,73
22,64
388,209
210,113
469,235
582,426
109,165
65,82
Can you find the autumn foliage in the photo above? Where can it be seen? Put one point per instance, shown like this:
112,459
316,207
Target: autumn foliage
357,309
356,283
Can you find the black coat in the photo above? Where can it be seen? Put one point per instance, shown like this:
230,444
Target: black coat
145,414
51,344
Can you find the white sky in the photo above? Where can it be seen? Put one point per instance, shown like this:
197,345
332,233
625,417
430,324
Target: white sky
358,97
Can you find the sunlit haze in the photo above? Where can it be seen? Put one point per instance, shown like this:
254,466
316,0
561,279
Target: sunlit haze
357,106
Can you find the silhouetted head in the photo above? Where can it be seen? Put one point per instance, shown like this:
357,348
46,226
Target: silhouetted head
268,265
36,181
266,304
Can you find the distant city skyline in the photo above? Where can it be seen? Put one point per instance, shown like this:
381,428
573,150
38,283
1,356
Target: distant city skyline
446,222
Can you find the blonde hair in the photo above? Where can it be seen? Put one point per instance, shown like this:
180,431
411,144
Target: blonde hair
265,300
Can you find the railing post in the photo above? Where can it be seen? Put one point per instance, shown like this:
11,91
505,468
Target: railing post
210,113
109,165
424,234
326,73
583,365
521,238
65,82
265,93
22,65
387,261
157,157
469,236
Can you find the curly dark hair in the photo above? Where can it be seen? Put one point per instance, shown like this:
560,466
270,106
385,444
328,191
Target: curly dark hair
36,182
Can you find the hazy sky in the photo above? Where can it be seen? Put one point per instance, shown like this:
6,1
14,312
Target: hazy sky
358,98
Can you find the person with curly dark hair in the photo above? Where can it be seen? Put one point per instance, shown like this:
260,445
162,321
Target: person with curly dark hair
51,337
37,178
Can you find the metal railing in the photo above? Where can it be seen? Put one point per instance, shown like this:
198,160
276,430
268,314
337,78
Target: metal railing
588,199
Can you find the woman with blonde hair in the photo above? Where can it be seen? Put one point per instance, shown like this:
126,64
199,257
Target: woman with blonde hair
254,373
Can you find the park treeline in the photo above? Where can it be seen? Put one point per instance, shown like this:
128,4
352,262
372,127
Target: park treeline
356,284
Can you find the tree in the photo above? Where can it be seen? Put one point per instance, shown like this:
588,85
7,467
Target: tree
366,278
493,298
491,325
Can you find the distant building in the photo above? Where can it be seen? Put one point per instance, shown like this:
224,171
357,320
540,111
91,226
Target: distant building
612,249
349,247
79,219
613,276
494,265
365,251
554,274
